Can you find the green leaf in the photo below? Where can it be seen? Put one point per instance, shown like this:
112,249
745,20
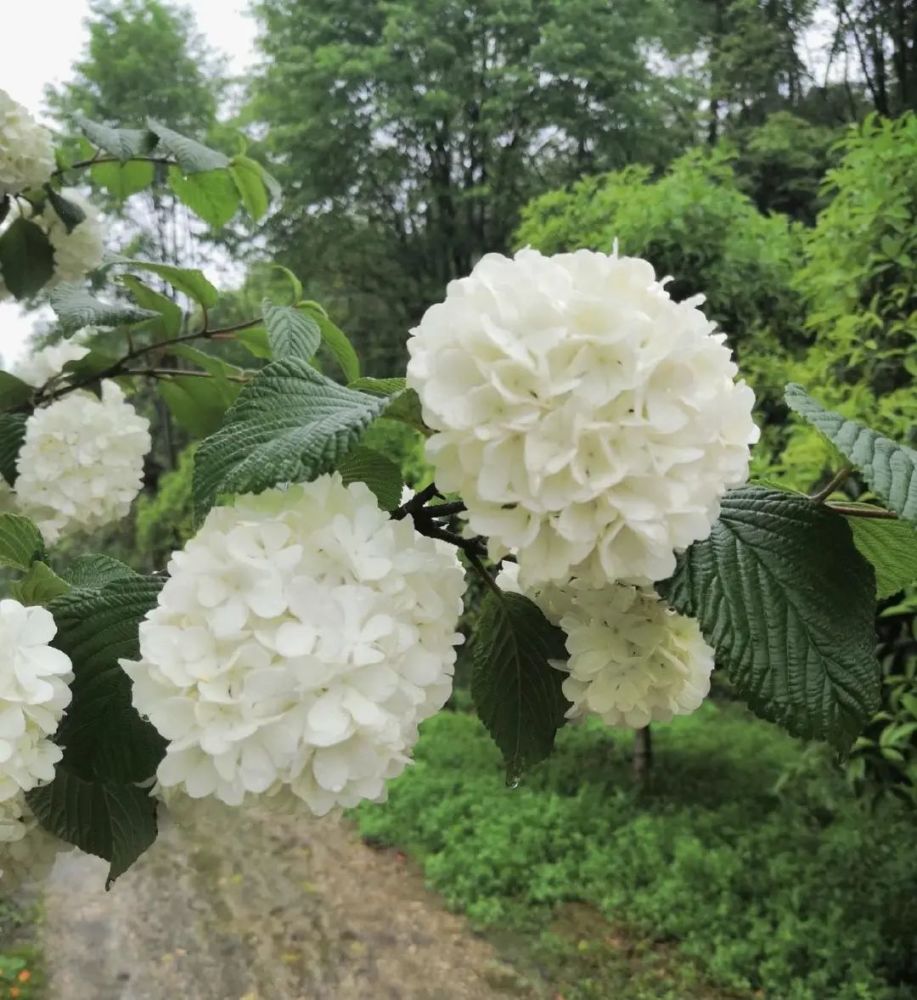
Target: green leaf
248,179
891,547
122,143
291,332
114,821
289,424
190,280
26,258
93,572
295,283
170,319
121,180
255,340
192,156
13,391
788,603
20,542
379,386
889,468
75,307
91,364
12,434
39,586
406,409
211,195
336,341
69,213
103,735
198,404
516,691
381,474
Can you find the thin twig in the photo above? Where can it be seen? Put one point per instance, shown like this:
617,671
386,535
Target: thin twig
874,512
446,509
837,480
416,502
180,373
83,164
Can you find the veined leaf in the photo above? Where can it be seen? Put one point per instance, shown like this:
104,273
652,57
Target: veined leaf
518,694
788,604
380,473
26,258
192,157
289,424
122,143
75,307
210,194
12,434
291,332
20,542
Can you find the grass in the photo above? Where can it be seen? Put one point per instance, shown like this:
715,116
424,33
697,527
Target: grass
21,971
716,884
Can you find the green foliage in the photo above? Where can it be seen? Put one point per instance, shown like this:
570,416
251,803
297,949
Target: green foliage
787,602
859,285
891,547
378,471
289,425
764,893
75,308
165,519
12,433
516,690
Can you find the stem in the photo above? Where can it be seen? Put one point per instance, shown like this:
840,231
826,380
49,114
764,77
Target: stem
83,164
837,480
483,573
416,503
446,509
180,372
875,512
643,754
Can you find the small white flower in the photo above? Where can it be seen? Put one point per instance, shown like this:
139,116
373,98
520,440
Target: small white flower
80,251
27,852
34,692
81,464
301,638
633,660
38,368
589,422
26,149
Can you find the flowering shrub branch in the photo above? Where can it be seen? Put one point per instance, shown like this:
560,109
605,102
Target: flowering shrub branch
590,438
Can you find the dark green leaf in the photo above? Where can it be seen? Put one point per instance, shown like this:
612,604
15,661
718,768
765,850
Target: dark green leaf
889,468
291,332
20,542
379,386
12,434
255,340
516,691
69,213
249,181
114,821
75,307
26,258
381,475
39,586
192,156
788,603
103,736
211,195
13,391
198,404
289,424
122,143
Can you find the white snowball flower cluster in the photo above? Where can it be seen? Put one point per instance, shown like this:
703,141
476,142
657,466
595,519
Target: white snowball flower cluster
78,252
81,464
589,422
301,638
34,692
38,368
633,660
26,149
27,852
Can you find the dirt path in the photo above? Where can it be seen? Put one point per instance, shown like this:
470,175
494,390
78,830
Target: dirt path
261,908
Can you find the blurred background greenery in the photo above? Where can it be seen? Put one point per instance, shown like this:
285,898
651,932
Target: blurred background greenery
761,152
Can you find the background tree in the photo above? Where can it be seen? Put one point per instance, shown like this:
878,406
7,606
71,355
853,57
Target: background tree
408,136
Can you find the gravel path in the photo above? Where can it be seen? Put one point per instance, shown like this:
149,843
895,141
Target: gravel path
261,908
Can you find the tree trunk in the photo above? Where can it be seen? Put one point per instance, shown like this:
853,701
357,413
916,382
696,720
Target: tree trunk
643,755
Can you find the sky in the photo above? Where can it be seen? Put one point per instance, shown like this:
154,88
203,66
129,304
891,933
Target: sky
26,69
